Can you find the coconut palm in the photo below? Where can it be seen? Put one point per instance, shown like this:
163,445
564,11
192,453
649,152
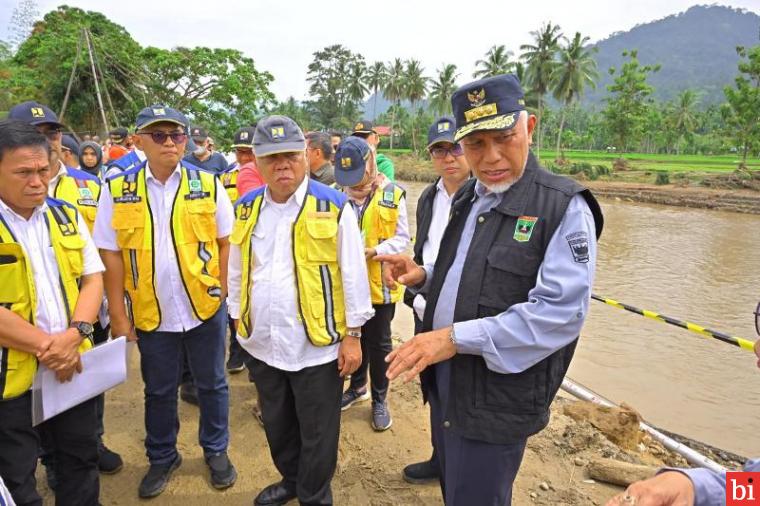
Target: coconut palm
576,70
684,117
376,76
442,88
497,61
415,89
541,59
357,81
393,89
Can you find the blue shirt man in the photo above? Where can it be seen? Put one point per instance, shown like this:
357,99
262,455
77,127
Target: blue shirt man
201,156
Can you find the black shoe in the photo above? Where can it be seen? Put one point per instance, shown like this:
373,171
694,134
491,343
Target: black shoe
223,474
155,480
189,393
235,364
51,477
421,472
109,462
275,495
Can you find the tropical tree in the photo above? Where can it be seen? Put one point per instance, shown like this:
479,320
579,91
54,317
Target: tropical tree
442,88
337,88
683,116
376,76
541,59
742,111
576,70
394,89
415,88
496,61
357,81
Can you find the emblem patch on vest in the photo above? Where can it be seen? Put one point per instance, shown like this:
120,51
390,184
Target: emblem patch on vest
524,228
578,242
85,193
198,195
195,185
127,199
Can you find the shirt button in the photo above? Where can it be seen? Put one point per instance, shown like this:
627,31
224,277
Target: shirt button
481,219
446,424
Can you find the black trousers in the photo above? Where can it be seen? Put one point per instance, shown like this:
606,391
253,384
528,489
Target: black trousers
301,412
376,345
434,456
71,435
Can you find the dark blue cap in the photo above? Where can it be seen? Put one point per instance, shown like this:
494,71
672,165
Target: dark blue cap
159,113
70,143
244,138
442,130
351,161
277,134
493,103
34,113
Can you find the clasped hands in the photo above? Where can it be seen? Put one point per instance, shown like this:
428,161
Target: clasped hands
60,353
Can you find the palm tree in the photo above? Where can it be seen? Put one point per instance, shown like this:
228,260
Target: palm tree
393,89
357,81
540,57
496,62
576,69
415,89
442,89
376,76
684,118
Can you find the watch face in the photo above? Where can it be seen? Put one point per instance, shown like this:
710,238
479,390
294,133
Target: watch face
85,328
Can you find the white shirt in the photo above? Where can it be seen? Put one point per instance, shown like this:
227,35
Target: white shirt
400,241
277,336
54,180
176,312
34,237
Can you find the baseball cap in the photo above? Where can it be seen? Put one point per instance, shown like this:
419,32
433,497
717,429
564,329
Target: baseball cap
363,127
244,138
277,134
34,113
442,130
198,133
159,114
351,161
118,134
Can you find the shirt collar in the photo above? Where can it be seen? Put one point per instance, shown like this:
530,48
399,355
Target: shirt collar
298,196
17,217
149,173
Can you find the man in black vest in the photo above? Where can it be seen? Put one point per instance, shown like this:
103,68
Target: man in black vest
506,297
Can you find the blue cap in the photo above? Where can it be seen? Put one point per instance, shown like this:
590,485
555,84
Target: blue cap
159,113
351,161
442,130
277,134
34,113
493,103
70,143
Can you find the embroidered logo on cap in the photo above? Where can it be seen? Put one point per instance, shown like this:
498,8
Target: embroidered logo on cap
159,111
243,136
477,97
38,112
359,126
345,162
278,132
444,126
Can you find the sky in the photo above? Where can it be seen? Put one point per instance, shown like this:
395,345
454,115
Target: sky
281,36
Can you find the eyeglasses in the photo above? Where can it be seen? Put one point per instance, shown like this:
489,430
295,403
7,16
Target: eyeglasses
757,318
52,134
440,152
160,137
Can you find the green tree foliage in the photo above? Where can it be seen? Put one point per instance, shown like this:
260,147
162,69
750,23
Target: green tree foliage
441,89
394,89
627,108
376,76
682,118
742,112
415,88
337,78
497,61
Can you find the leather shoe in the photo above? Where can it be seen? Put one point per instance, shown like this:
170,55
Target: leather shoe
421,472
275,494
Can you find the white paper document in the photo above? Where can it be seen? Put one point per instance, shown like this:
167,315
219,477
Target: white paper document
103,367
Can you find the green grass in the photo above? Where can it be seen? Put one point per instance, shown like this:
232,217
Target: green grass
657,162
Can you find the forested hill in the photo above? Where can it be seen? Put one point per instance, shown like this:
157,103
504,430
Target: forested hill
696,49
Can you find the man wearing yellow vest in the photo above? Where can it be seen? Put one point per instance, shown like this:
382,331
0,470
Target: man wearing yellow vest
50,290
162,230
298,288
381,210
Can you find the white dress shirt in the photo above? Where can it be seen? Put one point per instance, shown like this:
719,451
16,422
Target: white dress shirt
176,312
277,336
54,180
34,237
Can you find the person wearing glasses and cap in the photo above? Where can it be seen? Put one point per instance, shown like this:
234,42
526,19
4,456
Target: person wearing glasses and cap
381,211
162,232
505,300
365,129
433,209
299,292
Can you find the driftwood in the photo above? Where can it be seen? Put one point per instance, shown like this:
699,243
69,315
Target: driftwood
617,472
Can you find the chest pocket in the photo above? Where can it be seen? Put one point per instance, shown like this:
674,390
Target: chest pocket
73,248
386,222
129,223
12,273
202,217
322,239
510,273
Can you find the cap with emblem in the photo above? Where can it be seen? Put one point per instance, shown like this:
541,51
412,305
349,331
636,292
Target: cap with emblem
244,138
351,160
442,130
68,142
363,127
493,103
118,134
34,113
198,133
159,114
277,134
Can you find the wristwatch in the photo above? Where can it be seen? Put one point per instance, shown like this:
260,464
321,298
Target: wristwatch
354,333
85,329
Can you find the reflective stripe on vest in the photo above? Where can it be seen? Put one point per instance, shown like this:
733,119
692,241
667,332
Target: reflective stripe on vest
193,236
18,291
321,302
80,193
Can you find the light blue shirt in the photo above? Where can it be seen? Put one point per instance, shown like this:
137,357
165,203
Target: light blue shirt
526,333
710,486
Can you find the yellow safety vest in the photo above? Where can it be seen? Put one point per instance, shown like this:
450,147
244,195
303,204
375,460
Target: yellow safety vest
18,291
81,190
378,223
315,253
193,234
229,180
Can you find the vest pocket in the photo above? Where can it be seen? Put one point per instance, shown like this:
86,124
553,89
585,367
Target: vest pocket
508,393
323,240
387,222
203,219
12,269
510,273
73,246
129,223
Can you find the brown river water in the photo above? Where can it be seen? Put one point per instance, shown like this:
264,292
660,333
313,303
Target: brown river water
692,264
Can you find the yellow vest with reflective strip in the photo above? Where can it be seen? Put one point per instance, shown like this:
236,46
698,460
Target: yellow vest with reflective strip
18,291
229,180
82,191
193,235
378,223
321,303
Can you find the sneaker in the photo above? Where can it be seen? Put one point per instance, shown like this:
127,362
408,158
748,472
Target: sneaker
109,462
189,393
381,417
351,397
155,480
235,364
421,472
223,474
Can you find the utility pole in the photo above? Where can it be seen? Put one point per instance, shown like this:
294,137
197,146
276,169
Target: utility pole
71,77
95,77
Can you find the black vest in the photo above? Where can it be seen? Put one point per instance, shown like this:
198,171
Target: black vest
499,272
424,218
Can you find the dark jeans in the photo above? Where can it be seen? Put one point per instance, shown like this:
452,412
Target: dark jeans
301,412
472,471
161,365
434,457
376,345
236,353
